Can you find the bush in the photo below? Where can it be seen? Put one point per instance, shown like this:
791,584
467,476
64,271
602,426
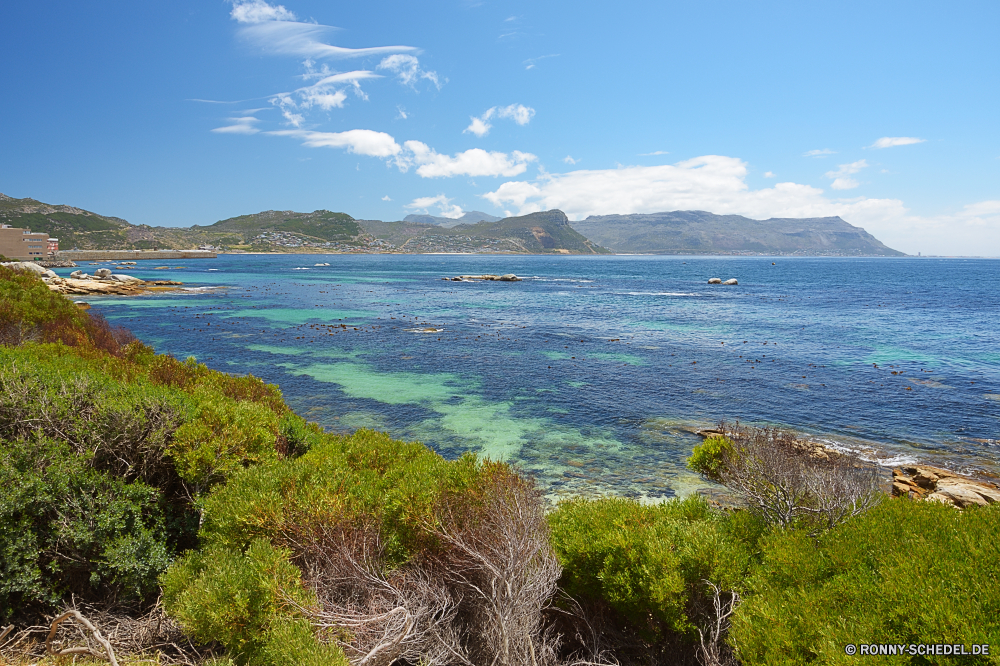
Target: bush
409,556
905,572
69,529
784,480
649,564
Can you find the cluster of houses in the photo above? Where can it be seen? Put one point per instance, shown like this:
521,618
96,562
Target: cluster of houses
16,243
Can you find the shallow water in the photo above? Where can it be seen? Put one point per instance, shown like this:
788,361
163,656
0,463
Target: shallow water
590,371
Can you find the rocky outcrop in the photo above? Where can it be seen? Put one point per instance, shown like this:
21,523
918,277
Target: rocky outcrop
715,280
509,277
731,281
933,483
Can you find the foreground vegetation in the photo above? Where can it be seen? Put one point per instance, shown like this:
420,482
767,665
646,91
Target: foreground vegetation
134,483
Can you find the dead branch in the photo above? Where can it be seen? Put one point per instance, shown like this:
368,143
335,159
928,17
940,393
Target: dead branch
78,616
713,652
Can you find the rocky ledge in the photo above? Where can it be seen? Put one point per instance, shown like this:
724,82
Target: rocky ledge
102,282
509,277
935,484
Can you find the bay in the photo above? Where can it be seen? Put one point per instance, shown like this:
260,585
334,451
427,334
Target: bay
590,373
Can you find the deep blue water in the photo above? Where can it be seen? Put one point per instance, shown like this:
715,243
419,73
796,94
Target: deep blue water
588,372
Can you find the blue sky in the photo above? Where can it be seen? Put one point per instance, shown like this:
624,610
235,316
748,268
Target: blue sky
187,112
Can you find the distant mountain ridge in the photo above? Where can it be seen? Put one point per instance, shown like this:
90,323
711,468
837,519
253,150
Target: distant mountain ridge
677,232
470,217
538,233
700,232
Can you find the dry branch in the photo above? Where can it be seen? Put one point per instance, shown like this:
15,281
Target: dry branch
78,616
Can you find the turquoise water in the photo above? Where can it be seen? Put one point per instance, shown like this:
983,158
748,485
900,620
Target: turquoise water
590,372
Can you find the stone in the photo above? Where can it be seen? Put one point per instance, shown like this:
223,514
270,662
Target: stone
715,280
50,274
509,277
77,275
25,266
731,281
989,495
102,273
960,494
121,277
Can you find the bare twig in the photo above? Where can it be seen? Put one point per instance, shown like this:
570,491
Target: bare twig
78,616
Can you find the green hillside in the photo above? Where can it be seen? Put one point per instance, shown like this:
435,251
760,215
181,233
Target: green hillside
321,224
74,227
543,232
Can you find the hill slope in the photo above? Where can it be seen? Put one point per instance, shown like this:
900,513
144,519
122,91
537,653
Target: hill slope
72,226
699,232
471,217
544,232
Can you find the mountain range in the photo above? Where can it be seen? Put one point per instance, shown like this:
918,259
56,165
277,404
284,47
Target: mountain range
677,232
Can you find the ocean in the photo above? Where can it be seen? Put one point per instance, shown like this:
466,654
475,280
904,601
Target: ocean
592,372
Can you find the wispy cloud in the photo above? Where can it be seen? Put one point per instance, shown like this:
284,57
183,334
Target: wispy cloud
474,162
841,179
655,152
274,29
407,69
387,198
769,174
480,126
401,113
240,125
819,153
893,141
531,62
441,202
569,160
358,141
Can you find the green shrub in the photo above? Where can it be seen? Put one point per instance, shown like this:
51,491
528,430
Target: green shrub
649,563
708,458
244,600
66,528
905,572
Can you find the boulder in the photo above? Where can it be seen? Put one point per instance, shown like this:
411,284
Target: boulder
26,266
731,281
715,280
77,275
50,274
509,277
940,485
121,277
102,273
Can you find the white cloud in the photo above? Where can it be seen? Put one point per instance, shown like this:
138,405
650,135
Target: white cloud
769,174
819,153
481,126
441,202
401,113
713,182
358,141
305,40
519,113
387,198
893,141
258,11
474,162
569,160
655,152
407,69
841,180
241,125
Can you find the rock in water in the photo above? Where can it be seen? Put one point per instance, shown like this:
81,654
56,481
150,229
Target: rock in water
102,273
77,275
731,281
509,277
121,277
715,280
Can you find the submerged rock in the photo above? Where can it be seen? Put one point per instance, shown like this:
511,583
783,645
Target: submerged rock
715,280
731,281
